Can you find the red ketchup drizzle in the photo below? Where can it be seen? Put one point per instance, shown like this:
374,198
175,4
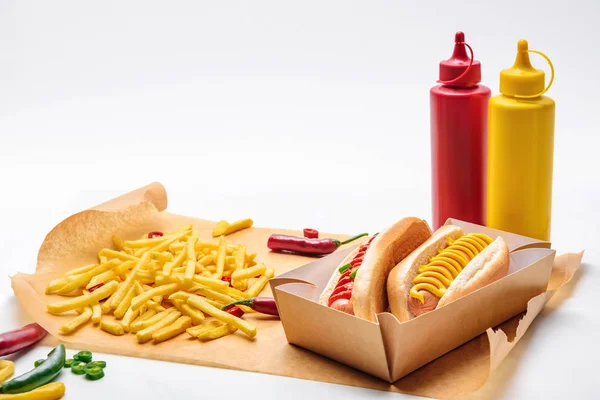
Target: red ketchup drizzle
343,289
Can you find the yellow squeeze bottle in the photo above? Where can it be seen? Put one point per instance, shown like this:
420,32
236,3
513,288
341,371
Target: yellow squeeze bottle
521,150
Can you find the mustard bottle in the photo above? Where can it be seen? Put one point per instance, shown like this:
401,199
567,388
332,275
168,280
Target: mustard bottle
521,150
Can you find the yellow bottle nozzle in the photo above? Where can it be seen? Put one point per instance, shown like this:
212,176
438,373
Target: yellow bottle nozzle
522,80
522,61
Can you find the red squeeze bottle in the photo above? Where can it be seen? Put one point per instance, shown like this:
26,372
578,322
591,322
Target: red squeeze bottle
459,138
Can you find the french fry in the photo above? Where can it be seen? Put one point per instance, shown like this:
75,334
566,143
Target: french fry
227,272
176,247
96,314
104,277
112,327
155,306
117,254
128,282
215,303
147,243
240,284
83,279
238,226
96,311
81,270
146,334
221,253
207,260
217,333
77,322
223,316
128,318
118,243
211,283
167,243
214,295
190,268
180,258
84,300
236,294
170,331
180,295
144,316
143,298
198,330
124,305
224,228
57,284
106,306
196,315
167,268
240,257
220,228
162,256
139,325
125,267
260,283
248,273
139,252
145,277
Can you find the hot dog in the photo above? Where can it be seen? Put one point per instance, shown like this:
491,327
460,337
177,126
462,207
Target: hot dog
447,266
358,285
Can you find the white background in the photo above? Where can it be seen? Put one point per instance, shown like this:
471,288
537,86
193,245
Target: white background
311,113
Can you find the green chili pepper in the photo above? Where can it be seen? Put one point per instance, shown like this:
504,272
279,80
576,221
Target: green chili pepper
39,362
38,376
94,373
101,364
84,356
78,368
68,362
353,273
343,268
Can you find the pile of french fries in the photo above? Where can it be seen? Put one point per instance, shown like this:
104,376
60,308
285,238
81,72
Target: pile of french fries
160,287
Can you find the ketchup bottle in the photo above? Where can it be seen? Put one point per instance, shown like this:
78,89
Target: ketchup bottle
459,138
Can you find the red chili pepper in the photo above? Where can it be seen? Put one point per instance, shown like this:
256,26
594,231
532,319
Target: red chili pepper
306,246
264,305
227,279
236,311
16,340
98,286
311,233
154,234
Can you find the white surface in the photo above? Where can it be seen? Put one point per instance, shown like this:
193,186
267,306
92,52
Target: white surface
275,110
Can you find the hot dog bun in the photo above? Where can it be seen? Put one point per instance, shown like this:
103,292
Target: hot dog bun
369,295
486,267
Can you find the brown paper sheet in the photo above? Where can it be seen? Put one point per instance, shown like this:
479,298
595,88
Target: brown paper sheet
76,241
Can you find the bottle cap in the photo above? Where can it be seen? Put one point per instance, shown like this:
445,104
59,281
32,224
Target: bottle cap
522,80
460,69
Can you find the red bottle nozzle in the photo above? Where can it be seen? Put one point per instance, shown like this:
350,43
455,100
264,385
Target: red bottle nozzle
460,69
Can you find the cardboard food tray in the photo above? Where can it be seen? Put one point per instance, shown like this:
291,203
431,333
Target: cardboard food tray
389,349
77,240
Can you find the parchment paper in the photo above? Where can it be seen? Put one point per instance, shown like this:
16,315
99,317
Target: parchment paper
77,240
